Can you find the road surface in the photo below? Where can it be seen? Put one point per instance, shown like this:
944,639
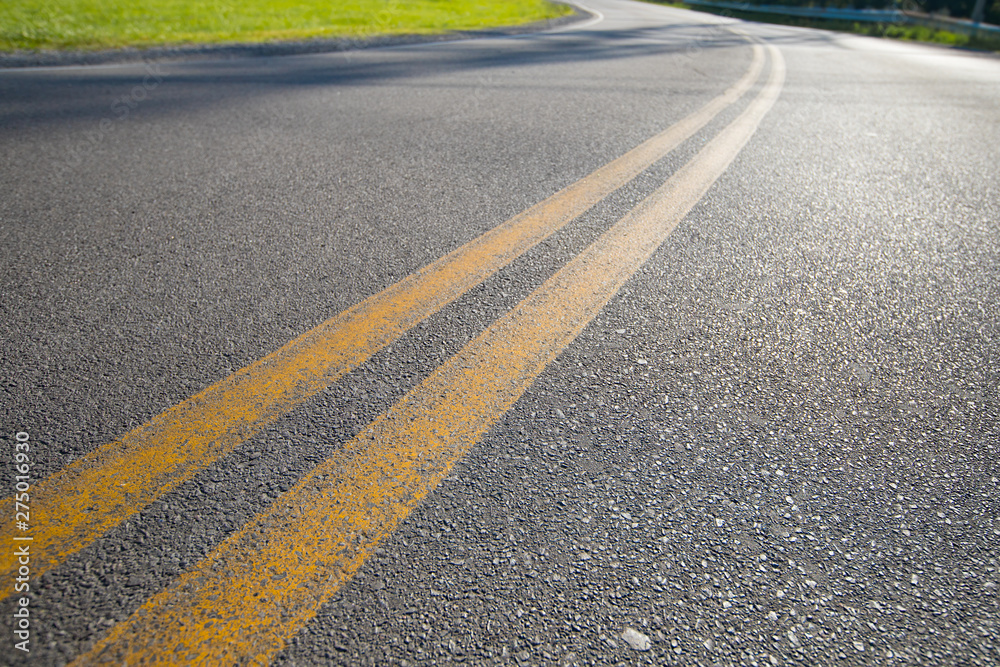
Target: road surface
661,338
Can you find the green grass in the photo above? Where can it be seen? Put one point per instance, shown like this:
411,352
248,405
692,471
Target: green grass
102,24
890,30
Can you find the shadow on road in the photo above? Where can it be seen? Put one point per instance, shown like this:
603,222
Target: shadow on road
29,98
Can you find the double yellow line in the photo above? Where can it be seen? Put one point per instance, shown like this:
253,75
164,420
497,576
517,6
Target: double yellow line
261,585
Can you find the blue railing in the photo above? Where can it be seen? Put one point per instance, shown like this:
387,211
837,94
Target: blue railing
862,15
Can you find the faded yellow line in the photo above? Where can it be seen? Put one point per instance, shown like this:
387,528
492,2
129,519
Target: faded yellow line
83,501
242,602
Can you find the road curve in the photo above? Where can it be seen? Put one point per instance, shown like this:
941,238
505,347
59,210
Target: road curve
729,397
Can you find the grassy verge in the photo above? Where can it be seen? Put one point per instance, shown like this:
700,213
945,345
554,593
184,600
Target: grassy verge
890,30
102,24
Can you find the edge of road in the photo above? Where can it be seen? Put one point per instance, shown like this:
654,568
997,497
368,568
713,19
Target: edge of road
32,59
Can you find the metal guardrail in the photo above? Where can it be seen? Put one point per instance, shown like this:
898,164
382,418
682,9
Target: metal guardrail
862,15
872,15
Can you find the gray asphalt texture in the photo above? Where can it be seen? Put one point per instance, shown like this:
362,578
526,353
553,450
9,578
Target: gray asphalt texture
777,445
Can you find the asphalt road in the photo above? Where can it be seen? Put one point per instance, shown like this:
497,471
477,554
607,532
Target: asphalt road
776,443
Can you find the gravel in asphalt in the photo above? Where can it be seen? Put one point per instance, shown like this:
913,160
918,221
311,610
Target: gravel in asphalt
776,445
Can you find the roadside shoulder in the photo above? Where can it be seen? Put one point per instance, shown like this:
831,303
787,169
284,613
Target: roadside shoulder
185,52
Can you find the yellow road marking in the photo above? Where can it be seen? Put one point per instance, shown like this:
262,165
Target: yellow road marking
243,601
78,504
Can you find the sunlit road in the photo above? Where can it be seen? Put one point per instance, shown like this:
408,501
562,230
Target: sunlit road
662,338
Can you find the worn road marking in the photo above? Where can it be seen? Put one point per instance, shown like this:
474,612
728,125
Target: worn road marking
80,503
242,602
